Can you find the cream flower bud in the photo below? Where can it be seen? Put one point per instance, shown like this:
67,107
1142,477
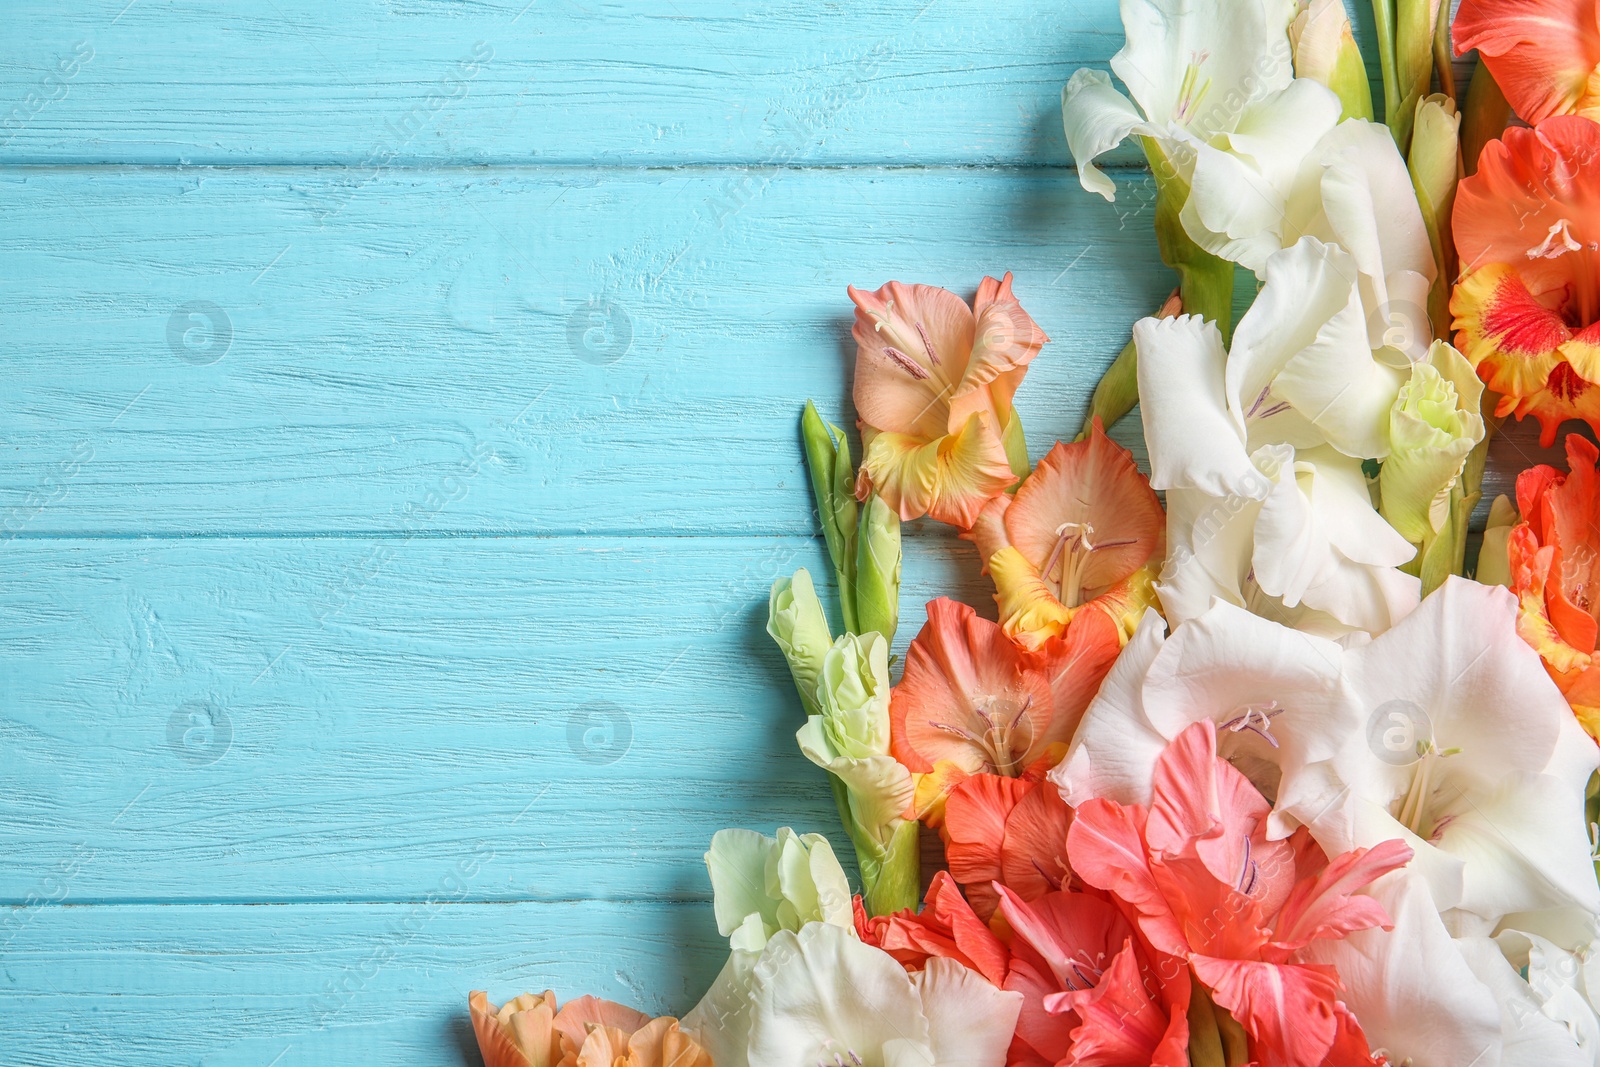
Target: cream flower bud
1434,423
795,620
1325,51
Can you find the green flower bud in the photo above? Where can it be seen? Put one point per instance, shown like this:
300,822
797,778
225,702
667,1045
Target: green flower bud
850,737
853,695
833,486
795,620
762,885
1433,425
1325,51
878,569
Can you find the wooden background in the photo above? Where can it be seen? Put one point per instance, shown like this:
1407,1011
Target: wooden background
399,439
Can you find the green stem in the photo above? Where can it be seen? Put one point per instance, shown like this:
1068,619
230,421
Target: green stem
1383,16
1483,118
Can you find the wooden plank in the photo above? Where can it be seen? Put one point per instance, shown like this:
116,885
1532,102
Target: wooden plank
373,83
335,719
512,351
310,985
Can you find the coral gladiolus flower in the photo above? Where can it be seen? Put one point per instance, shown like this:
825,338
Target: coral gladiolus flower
1006,831
1079,528
1527,308
1544,54
1555,572
1202,851
973,699
933,388
1092,991
528,1031
946,928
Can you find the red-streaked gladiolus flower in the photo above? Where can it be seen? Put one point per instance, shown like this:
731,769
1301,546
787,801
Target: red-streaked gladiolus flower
1202,851
1009,832
933,388
1554,554
1075,536
528,1031
972,702
1544,54
946,928
1527,308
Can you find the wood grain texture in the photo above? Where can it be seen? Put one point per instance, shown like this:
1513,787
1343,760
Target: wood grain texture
312,985
374,83
406,637
278,719
447,334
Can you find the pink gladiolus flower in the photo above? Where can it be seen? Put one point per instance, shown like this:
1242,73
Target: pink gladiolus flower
946,928
1205,886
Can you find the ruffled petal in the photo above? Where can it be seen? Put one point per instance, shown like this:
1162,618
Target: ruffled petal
1195,440
1097,119
1543,53
949,478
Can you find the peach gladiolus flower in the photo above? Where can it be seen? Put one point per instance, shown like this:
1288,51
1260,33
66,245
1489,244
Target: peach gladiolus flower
1544,54
933,388
1075,535
1527,308
528,1031
1554,554
971,701
1201,850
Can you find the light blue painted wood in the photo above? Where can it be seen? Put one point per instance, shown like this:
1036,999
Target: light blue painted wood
415,522
443,316
336,719
316,985
371,82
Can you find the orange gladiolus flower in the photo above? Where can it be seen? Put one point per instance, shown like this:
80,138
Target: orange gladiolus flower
933,388
528,1031
1009,832
946,928
1555,572
1527,308
1076,534
1544,54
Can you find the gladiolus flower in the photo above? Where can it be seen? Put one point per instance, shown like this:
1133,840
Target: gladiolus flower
946,928
972,700
1544,54
1201,851
1093,992
528,1031
761,885
1527,308
1079,528
933,388
1554,555
1009,832
823,996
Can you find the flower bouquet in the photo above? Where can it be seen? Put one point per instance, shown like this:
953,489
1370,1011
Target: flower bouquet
1262,758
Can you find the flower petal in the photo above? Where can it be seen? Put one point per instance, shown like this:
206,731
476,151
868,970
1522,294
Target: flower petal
1195,440
969,1021
1097,119
1542,52
949,478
